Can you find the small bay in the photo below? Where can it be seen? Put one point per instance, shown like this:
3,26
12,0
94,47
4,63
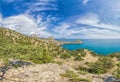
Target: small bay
99,46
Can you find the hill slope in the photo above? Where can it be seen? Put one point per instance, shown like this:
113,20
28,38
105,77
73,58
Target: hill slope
17,46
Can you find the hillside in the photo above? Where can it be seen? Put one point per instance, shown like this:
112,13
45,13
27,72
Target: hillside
33,59
17,46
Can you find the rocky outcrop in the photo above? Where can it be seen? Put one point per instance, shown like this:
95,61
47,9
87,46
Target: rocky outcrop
36,73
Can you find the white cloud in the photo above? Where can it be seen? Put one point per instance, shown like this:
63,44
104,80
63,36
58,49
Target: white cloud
85,2
9,1
62,28
25,24
42,5
89,18
0,18
94,28
94,21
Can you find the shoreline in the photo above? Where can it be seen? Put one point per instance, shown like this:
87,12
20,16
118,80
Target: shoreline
61,42
71,42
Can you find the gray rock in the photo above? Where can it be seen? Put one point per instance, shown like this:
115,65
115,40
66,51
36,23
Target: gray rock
110,79
19,63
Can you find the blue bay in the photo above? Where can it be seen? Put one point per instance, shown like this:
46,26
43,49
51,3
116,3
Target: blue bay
99,46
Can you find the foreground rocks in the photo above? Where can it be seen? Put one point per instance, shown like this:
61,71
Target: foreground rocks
36,73
45,73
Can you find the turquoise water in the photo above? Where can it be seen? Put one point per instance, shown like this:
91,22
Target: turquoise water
99,46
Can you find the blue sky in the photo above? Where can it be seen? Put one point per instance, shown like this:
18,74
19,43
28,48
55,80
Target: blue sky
94,19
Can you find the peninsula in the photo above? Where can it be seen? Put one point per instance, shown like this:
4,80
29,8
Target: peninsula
61,42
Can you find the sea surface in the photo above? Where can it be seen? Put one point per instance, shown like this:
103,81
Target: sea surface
99,46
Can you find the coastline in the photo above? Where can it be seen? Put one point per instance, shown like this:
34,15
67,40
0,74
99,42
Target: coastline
70,42
61,42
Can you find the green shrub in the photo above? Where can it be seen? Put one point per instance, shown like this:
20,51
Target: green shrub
82,69
117,72
79,80
101,65
116,55
73,77
69,74
78,58
65,56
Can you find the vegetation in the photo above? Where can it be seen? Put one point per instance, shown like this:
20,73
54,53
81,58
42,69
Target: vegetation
116,55
117,72
101,65
17,46
14,45
69,74
73,77
82,70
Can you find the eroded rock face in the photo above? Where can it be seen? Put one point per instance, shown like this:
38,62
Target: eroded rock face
36,73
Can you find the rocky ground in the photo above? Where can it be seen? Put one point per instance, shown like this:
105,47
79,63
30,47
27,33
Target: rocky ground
41,73
50,72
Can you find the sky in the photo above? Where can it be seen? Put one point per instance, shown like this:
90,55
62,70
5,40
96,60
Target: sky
69,19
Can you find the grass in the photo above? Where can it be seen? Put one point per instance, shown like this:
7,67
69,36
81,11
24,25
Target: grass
73,77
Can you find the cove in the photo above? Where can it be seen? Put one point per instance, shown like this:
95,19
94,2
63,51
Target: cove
99,46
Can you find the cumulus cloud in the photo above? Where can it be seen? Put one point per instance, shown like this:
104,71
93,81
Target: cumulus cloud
25,24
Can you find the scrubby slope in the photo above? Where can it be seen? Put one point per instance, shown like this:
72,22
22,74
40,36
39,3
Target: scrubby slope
17,46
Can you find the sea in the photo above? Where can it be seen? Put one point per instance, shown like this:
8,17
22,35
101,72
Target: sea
99,46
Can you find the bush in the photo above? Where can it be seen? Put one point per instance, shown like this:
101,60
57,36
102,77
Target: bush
101,65
117,72
82,70
78,58
69,74
73,77
65,56
79,80
117,55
